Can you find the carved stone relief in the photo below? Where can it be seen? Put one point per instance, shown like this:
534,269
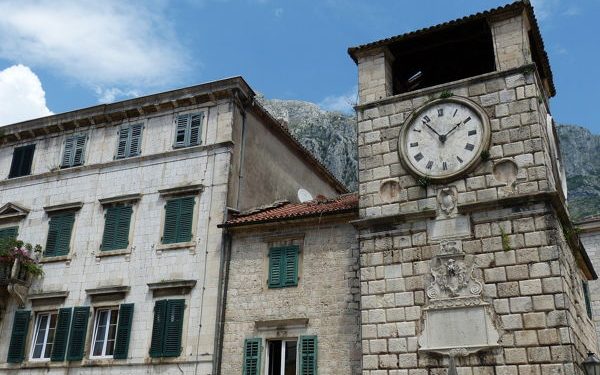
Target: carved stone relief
447,198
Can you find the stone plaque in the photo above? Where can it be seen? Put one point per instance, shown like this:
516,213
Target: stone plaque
456,227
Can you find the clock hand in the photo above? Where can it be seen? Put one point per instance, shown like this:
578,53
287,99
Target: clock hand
454,128
432,129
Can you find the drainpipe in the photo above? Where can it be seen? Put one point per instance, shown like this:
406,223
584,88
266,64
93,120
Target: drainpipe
222,300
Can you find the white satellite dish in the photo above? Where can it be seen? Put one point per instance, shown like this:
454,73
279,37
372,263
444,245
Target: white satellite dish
304,196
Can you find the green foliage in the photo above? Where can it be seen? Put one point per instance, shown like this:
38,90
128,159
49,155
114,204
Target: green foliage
424,181
12,249
485,155
571,232
446,94
505,240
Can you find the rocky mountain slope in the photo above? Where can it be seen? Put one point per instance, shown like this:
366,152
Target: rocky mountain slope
331,136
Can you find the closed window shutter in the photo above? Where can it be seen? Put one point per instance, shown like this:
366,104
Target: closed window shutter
252,349
59,234
173,327
186,215
10,232
195,129
123,331
16,350
78,332
158,328
68,153
61,335
79,153
290,266
275,267
181,132
308,355
116,227
135,140
172,213
122,144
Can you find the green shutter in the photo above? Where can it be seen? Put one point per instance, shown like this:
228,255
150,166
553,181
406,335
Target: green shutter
16,350
116,227
59,234
252,353
173,327
586,297
78,332
79,153
10,232
135,140
68,152
122,143
181,132
195,129
179,214
74,151
61,335
158,328
290,266
123,331
275,267
308,355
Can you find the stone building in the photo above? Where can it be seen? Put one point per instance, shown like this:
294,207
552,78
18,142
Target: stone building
125,199
589,229
462,199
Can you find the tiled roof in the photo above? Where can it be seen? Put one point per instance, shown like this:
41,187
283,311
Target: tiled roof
286,210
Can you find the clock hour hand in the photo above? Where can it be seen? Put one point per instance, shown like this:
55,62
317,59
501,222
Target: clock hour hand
432,129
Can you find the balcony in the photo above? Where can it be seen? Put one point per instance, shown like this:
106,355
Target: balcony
15,281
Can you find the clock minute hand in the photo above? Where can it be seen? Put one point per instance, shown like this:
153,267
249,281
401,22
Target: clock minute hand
454,128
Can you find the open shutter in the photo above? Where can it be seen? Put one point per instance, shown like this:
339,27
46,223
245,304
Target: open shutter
122,227
123,331
252,349
181,132
67,159
172,213
308,355
135,140
10,232
195,129
111,218
290,266
586,297
173,327
59,234
78,332
16,350
79,146
122,143
275,267
158,328
186,215
53,234
61,335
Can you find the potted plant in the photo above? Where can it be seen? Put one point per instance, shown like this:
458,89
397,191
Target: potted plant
18,260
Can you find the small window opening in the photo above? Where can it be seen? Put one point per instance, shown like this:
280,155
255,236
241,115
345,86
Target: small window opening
282,357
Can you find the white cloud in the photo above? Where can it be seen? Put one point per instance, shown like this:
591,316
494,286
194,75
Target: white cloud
21,95
107,44
544,8
342,103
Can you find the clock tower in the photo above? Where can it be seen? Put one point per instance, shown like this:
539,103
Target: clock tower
469,262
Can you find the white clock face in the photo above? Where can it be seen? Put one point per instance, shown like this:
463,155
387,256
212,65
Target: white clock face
444,138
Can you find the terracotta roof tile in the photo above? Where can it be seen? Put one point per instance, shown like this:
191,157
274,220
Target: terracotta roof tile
286,210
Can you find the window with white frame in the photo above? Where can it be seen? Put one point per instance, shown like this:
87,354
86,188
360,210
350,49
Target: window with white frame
43,339
105,332
282,357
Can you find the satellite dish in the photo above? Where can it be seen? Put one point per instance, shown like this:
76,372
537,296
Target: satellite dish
304,196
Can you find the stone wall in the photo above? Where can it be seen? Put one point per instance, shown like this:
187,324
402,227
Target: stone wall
591,242
326,295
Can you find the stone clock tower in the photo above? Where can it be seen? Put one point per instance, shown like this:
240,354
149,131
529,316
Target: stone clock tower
469,262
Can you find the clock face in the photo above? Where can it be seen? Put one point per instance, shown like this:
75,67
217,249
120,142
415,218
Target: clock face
444,138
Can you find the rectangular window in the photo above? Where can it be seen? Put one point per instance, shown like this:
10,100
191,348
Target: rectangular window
59,234
130,141
74,151
283,266
189,127
179,215
9,232
167,328
105,332
282,357
43,337
21,161
117,221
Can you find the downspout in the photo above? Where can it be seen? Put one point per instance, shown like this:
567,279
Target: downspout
241,160
222,300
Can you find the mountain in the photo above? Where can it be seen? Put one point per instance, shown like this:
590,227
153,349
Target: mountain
331,136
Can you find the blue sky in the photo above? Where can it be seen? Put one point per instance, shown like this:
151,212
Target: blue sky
58,55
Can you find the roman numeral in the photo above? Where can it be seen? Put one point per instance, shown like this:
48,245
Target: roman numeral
440,112
445,166
459,159
417,130
472,132
467,120
426,119
414,144
469,147
418,156
455,112
429,164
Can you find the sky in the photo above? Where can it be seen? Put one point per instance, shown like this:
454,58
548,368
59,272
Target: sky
59,55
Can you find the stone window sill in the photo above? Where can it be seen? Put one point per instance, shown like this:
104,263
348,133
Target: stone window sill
174,246
109,253
60,258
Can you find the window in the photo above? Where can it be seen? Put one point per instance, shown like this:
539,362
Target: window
167,327
43,337
283,357
179,214
105,332
130,141
117,220
21,161
586,297
59,234
283,266
9,232
189,127
74,151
